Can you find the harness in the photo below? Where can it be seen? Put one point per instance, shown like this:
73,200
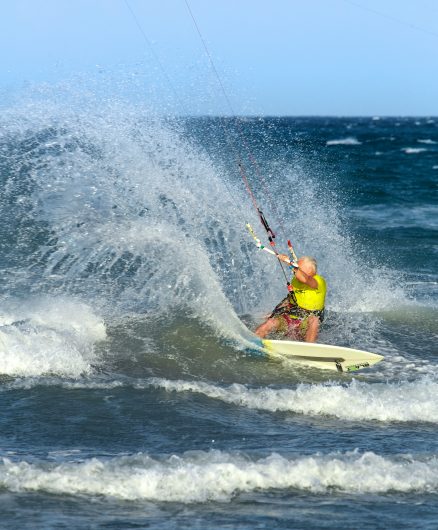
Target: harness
289,309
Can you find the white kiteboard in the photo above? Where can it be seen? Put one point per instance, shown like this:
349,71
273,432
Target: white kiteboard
323,356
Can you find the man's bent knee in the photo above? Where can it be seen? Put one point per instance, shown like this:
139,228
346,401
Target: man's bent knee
267,327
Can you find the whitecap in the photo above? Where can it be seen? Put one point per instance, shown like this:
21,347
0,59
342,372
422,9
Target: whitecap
344,141
200,476
413,150
402,402
413,401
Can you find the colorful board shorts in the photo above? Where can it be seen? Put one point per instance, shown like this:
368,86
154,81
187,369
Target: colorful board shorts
296,322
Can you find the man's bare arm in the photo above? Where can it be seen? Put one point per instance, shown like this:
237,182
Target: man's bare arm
305,278
300,275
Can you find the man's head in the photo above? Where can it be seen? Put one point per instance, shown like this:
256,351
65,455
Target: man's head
308,265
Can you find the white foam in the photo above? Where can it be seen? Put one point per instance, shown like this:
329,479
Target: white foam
427,141
344,141
408,401
413,150
218,476
48,335
79,383
356,401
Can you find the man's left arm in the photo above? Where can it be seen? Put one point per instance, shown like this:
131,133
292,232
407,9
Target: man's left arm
299,274
306,278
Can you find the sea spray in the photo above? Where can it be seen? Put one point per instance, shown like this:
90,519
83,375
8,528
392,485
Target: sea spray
113,193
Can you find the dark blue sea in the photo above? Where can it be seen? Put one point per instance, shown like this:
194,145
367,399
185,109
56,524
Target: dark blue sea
129,395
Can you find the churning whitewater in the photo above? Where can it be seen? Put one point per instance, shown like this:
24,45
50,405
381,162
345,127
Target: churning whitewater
216,476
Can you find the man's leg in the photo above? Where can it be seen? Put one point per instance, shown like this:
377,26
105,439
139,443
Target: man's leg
269,326
312,329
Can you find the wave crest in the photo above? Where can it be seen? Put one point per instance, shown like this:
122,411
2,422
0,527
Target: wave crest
402,402
218,476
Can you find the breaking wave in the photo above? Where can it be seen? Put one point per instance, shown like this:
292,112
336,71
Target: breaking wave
45,335
218,476
414,150
344,141
357,401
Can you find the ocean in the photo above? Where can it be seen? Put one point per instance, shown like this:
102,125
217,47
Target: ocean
130,398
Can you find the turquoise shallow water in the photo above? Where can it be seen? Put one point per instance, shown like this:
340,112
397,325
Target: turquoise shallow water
128,398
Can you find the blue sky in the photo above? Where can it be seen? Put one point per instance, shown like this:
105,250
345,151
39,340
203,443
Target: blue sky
282,57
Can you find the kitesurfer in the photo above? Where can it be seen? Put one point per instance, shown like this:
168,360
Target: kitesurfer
300,314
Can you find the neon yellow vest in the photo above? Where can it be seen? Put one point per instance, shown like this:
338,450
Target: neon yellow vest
308,298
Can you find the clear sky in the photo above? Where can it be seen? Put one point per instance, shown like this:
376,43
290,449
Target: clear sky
275,57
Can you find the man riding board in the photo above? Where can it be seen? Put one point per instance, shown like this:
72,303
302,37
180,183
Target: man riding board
299,315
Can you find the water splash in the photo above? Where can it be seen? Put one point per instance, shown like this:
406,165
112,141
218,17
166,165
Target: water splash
126,210
43,335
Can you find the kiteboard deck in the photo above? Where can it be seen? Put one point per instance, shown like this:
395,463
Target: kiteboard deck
324,356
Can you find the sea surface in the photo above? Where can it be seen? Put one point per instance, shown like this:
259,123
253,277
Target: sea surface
129,394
